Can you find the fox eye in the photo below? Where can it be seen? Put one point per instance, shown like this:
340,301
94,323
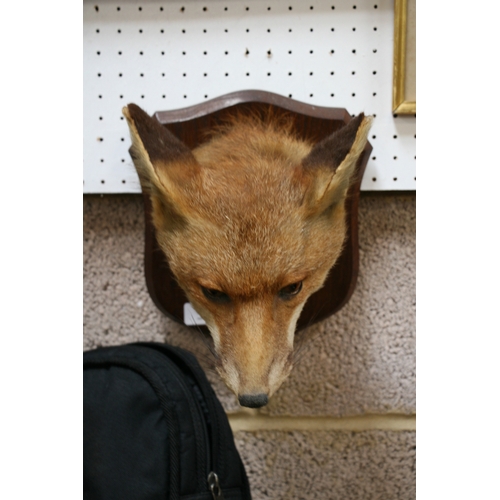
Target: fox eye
215,295
290,291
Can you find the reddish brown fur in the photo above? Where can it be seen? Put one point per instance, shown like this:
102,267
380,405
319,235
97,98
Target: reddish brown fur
248,213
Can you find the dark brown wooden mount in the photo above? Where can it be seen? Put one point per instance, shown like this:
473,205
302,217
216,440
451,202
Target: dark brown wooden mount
311,122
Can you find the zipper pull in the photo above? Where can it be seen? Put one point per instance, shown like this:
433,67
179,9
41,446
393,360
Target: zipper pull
213,483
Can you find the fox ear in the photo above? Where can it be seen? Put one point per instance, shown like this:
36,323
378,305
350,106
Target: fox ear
332,162
159,157
164,163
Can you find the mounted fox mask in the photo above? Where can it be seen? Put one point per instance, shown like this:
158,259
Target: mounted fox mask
251,223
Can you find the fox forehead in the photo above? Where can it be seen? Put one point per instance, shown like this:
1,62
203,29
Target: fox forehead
252,251
241,255
251,168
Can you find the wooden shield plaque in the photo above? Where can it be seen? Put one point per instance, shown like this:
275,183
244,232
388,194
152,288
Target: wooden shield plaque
310,122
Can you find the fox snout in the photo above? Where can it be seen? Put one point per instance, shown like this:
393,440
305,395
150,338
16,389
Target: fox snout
256,383
255,352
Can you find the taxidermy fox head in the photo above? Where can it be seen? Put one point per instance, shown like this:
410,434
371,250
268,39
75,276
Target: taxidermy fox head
251,222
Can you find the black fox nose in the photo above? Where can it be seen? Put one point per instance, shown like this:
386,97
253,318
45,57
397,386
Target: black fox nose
253,400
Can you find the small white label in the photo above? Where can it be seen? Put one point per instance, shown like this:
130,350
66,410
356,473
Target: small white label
191,317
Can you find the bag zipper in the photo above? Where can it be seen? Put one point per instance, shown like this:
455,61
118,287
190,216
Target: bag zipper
213,484
213,478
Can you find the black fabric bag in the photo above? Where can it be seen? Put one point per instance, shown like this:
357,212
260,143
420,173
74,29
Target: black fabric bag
153,428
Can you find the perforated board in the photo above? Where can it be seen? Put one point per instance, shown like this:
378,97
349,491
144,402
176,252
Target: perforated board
166,55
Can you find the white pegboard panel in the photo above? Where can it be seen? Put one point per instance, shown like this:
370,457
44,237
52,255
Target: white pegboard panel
166,55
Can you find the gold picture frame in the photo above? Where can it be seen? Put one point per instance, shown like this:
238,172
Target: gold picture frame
404,71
